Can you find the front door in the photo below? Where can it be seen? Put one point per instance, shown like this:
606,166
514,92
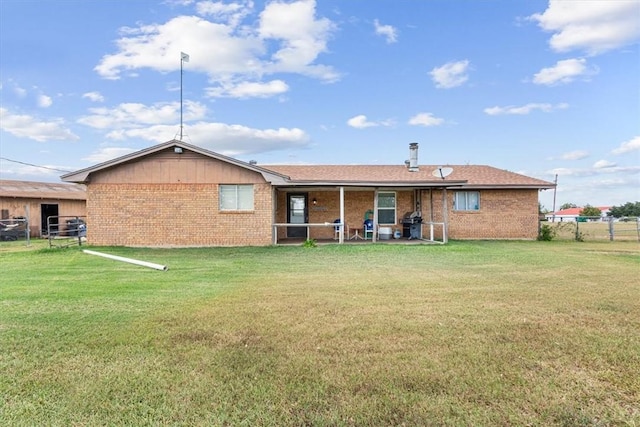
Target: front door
297,214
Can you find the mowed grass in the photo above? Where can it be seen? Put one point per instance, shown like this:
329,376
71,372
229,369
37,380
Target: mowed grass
470,333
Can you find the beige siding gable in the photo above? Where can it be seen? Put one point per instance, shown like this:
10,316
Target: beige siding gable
167,167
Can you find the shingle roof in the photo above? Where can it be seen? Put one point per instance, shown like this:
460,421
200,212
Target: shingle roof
42,190
471,175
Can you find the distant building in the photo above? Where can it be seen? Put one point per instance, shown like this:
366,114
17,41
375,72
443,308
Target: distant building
572,214
38,201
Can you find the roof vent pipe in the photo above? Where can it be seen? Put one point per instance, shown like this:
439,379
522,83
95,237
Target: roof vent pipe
413,157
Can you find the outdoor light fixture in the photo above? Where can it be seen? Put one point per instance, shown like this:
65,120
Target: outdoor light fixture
177,150
315,201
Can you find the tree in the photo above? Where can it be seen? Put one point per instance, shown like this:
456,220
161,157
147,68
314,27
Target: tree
568,206
542,209
590,211
628,209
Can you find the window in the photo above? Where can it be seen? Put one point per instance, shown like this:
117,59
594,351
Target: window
236,197
386,208
466,201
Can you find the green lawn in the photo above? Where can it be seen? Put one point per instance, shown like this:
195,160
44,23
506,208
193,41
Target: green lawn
470,333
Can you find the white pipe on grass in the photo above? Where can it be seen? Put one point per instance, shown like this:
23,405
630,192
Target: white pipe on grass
129,260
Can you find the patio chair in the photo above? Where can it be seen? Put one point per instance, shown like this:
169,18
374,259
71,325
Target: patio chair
336,230
367,228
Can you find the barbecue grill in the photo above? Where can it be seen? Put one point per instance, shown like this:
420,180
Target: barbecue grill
411,225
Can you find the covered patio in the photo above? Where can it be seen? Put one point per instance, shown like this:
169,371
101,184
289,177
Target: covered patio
362,214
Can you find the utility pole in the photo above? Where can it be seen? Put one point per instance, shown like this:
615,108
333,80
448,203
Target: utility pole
183,58
553,217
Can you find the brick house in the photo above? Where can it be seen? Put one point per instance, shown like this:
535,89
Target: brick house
178,194
38,201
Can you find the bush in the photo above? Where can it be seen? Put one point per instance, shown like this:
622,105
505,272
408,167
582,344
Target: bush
309,243
547,233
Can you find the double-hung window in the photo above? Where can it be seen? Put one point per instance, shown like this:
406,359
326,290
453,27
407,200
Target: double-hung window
466,201
386,207
236,197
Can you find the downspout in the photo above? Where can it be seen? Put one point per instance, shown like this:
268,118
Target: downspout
274,209
445,216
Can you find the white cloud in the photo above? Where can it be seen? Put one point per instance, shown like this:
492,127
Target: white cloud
425,119
629,146
20,92
44,101
94,96
575,155
232,13
302,38
26,126
248,89
131,115
524,109
45,171
108,153
361,122
608,170
451,74
230,140
388,31
286,38
601,164
564,71
594,26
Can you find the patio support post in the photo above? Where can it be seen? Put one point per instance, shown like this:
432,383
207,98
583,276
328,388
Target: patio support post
341,234
375,216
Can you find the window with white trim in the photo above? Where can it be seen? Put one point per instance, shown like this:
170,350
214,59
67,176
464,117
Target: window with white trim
386,207
466,201
236,197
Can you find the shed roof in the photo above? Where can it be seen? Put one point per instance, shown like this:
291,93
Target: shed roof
42,190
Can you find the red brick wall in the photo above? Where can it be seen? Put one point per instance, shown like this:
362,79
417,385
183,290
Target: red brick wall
188,215
174,215
503,214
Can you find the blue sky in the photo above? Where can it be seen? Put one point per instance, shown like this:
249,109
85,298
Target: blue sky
539,87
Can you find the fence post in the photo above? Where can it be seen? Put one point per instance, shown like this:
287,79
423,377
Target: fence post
611,229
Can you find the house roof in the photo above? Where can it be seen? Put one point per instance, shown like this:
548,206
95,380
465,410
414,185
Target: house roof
41,190
469,176
83,175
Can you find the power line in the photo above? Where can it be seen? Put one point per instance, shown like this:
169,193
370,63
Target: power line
35,166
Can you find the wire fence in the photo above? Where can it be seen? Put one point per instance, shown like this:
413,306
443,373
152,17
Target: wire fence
65,231
586,228
14,229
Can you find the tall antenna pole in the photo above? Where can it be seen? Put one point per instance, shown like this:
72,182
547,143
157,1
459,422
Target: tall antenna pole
183,58
555,187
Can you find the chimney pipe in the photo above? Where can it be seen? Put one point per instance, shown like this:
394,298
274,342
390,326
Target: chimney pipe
413,157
